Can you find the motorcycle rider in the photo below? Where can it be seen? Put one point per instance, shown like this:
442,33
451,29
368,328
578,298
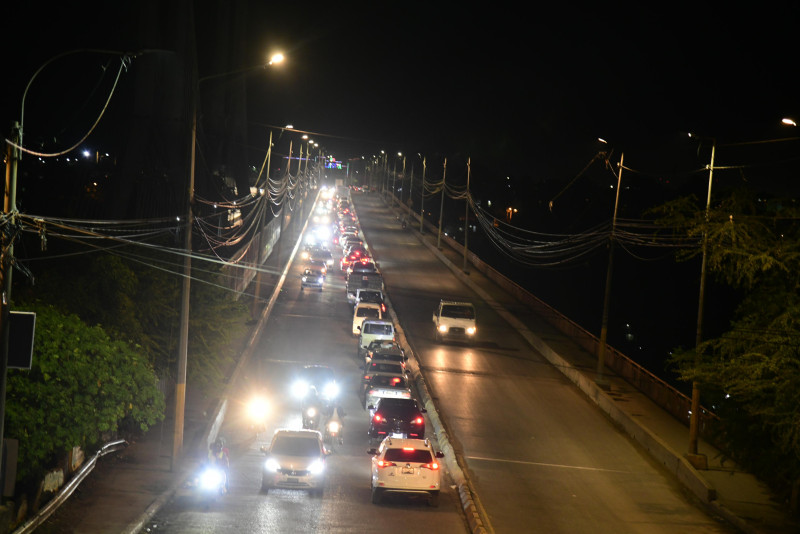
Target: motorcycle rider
313,409
337,417
218,456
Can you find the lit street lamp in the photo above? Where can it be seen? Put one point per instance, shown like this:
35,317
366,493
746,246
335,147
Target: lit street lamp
183,341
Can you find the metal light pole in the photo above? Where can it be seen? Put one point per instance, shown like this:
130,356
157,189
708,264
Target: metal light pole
183,341
441,207
699,460
422,199
466,218
601,351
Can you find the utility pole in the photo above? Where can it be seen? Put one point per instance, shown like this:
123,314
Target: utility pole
601,351
466,218
6,268
422,199
263,208
699,461
441,207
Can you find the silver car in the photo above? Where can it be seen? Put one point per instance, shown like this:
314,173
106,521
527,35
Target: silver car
295,460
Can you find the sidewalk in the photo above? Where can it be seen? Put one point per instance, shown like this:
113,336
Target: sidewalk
728,491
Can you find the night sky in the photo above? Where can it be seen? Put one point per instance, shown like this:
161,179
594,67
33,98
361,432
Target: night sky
527,91
524,93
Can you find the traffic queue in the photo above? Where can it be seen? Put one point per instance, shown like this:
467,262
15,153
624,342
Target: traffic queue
403,459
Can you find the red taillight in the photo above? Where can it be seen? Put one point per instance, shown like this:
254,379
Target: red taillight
383,307
396,381
384,463
417,421
377,418
433,466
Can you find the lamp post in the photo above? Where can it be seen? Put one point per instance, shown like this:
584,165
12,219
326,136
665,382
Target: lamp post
422,199
700,461
441,207
466,217
183,341
601,350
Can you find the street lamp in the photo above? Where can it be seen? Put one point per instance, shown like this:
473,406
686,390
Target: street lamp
700,461
183,341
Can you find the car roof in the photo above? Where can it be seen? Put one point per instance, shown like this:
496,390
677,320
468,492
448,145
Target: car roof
298,433
399,443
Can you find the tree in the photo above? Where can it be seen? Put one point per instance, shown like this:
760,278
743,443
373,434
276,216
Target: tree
751,373
83,388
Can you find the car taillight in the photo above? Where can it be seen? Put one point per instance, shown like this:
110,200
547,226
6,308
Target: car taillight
385,463
377,418
417,421
433,466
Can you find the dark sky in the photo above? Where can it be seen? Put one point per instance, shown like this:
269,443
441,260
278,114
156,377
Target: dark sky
522,91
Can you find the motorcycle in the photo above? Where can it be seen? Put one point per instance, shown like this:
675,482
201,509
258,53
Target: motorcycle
333,433
211,482
311,417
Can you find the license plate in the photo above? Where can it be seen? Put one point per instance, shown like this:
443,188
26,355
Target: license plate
398,435
407,471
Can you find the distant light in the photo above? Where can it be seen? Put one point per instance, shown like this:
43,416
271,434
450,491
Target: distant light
602,140
289,127
276,58
87,154
788,122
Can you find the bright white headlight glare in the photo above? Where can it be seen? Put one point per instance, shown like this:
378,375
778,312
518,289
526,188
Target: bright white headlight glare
211,478
331,390
333,426
471,330
272,465
311,412
317,467
300,389
442,328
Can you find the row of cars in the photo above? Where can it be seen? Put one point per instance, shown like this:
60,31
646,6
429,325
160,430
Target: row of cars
403,459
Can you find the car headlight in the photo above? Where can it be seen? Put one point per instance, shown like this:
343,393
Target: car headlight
300,389
272,465
471,330
331,390
333,426
320,279
316,467
311,412
442,328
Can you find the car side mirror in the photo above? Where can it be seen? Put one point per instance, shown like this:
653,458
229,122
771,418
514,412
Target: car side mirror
358,328
439,454
423,410
372,452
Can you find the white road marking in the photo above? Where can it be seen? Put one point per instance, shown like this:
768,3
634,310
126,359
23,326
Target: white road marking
578,467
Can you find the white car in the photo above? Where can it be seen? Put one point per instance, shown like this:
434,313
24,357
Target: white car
406,466
295,460
365,310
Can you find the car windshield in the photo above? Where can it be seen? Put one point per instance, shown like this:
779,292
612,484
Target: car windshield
381,367
379,329
295,446
418,456
385,381
398,410
458,312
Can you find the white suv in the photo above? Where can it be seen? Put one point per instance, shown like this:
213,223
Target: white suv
455,320
406,466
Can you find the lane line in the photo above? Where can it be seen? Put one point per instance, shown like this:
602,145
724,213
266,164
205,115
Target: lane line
576,467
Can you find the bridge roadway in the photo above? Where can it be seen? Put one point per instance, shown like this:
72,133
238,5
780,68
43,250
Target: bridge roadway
538,454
